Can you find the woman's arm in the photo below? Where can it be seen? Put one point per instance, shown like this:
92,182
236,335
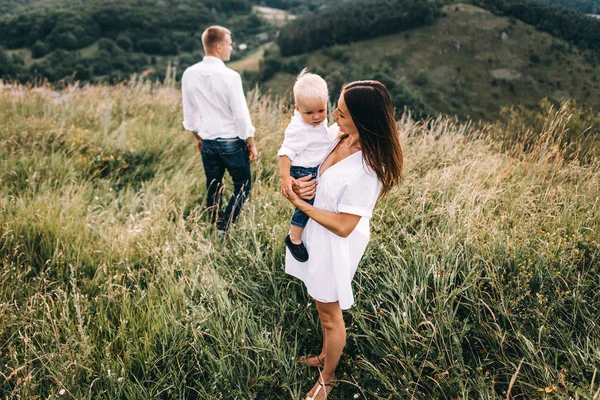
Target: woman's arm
341,224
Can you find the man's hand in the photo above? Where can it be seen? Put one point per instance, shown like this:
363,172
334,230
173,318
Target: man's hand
253,153
305,187
198,143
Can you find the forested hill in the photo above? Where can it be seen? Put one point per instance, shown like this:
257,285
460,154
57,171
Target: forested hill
363,19
586,6
7,6
562,22
99,39
341,23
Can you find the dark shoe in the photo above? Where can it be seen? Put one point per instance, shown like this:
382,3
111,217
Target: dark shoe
298,250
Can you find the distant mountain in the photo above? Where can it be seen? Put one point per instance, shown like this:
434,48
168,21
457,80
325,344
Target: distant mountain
469,63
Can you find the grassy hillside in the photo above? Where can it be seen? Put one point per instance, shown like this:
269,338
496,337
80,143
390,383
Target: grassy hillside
481,279
468,62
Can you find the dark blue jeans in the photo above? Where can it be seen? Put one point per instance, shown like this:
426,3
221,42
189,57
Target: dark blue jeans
299,218
229,155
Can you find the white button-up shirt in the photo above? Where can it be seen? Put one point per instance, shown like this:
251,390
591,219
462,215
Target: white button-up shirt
214,105
306,145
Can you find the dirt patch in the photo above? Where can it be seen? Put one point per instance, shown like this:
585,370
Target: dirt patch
252,61
273,15
475,17
442,76
506,74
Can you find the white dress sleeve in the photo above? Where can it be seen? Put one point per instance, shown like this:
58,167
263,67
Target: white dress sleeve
360,195
294,141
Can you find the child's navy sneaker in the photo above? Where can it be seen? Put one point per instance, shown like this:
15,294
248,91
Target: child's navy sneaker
298,251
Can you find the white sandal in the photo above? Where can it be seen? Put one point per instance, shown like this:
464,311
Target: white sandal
321,386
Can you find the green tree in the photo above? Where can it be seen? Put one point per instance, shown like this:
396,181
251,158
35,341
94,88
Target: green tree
39,49
150,46
124,42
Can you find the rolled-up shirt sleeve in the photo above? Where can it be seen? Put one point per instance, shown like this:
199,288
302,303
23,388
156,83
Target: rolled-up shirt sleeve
360,195
294,142
191,115
239,108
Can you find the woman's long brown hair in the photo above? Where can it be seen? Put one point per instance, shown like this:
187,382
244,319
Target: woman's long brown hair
371,109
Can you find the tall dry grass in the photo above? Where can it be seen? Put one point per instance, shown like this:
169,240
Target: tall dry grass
481,280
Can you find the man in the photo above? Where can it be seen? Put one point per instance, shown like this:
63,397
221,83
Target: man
215,110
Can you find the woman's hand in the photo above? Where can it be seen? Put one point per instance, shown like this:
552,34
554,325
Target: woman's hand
305,187
289,194
287,184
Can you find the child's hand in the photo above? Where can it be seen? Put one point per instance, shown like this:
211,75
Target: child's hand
287,186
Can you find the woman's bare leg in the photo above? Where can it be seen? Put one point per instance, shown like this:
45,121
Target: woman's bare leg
320,361
334,341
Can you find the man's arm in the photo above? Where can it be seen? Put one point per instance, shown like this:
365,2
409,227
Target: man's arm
241,115
191,117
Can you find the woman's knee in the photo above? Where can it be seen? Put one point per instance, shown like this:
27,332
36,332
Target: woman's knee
331,320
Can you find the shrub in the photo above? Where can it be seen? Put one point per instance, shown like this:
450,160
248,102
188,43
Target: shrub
124,42
421,78
191,44
107,45
269,66
338,53
150,46
39,49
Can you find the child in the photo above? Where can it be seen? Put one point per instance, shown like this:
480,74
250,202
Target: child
304,147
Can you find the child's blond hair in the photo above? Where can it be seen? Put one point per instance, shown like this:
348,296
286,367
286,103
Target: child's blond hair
309,87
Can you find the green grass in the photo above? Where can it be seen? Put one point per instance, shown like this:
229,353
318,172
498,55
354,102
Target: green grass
471,72
484,266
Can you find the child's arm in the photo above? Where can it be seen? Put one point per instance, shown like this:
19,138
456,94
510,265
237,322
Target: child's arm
284,173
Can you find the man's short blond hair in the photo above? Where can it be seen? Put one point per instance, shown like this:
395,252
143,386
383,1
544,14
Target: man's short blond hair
212,36
310,87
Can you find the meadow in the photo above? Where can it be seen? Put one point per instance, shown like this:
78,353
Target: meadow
481,280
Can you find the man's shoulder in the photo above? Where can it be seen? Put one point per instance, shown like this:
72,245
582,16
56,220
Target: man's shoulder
231,73
192,68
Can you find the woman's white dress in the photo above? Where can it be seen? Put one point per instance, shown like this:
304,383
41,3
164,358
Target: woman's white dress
350,187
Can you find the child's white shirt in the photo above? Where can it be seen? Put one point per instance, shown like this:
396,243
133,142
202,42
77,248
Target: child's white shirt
306,145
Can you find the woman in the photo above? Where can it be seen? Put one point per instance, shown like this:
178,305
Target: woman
364,163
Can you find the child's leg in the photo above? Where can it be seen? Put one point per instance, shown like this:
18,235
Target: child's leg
294,240
296,234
